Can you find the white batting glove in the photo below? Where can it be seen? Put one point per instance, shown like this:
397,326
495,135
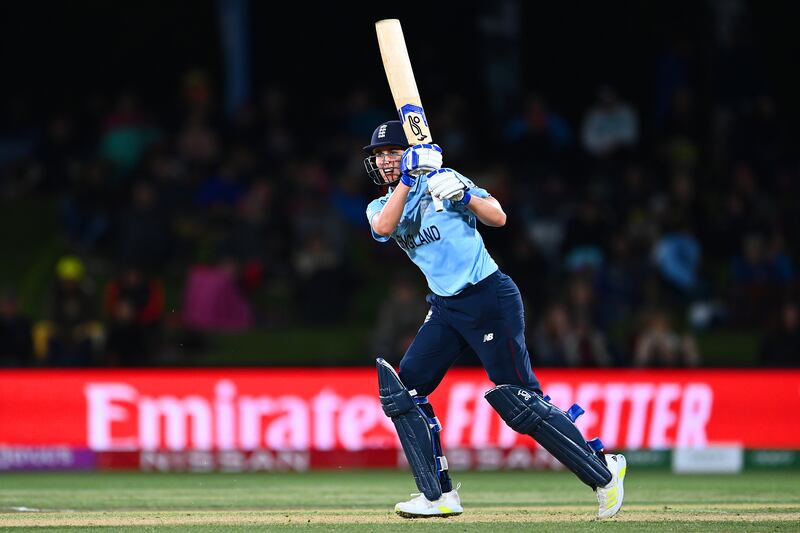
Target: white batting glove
421,159
446,185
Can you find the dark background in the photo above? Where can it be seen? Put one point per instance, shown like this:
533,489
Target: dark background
59,51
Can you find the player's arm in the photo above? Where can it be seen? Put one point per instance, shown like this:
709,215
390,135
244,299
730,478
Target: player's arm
386,220
488,210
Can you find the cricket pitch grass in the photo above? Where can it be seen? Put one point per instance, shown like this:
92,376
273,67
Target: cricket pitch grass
359,501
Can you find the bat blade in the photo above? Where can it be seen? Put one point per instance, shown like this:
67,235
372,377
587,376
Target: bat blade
400,75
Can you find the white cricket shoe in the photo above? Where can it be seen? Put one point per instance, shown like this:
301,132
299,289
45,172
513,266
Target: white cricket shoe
421,507
610,497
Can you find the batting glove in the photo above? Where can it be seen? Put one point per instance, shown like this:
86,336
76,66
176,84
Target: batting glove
421,159
407,179
446,185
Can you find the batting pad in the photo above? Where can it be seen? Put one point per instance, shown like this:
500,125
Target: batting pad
412,428
529,414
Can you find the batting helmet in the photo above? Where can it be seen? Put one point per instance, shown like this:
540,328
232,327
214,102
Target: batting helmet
388,134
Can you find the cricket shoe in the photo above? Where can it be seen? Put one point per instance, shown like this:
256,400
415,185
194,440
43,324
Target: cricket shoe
610,497
421,507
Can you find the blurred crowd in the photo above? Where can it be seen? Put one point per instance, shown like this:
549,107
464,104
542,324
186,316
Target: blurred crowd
633,227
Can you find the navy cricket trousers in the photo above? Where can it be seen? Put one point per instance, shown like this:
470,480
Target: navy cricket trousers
487,318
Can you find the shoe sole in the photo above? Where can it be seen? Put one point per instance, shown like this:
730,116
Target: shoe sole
405,514
412,516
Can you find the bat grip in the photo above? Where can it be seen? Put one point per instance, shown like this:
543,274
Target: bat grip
438,204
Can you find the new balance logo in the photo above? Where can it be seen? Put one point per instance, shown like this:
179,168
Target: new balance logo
488,337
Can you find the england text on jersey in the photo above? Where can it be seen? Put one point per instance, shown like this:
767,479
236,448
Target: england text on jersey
425,236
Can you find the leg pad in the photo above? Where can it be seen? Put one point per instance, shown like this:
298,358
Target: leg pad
412,428
528,413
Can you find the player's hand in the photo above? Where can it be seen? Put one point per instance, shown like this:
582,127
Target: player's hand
446,185
421,159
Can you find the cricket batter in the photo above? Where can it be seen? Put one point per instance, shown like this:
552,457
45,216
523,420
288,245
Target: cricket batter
473,306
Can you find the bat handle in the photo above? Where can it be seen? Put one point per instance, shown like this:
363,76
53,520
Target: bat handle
437,204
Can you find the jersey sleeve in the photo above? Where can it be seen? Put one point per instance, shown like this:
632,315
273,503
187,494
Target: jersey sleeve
474,190
479,192
375,207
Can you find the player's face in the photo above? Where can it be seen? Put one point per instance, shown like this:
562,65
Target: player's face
388,161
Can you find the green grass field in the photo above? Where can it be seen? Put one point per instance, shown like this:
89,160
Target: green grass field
363,501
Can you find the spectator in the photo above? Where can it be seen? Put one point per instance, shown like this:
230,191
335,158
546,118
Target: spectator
610,125
619,284
60,151
73,332
253,239
348,200
322,284
674,73
198,143
734,218
586,235
312,211
214,299
634,192
544,215
550,338
761,262
197,93
659,345
219,195
538,129
16,341
558,341
127,134
125,345
760,273
399,318
758,135
86,206
144,234
678,145
781,347
580,299
134,307
677,254
679,206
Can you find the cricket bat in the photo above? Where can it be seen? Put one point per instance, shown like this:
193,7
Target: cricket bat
397,64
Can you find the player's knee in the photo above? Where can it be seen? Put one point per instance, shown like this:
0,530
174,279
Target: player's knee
522,417
397,404
416,381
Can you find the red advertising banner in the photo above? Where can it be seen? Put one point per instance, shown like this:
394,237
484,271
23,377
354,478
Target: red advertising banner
337,410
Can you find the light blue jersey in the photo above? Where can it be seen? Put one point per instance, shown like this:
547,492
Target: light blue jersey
446,246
